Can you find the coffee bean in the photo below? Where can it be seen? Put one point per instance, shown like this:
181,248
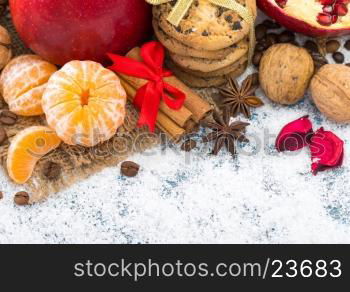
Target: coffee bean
3,136
188,145
271,39
265,44
260,47
332,46
311,46
8,118
21,198
271,24
347,64
260,31
347,45
286,37
257,58
129,168
1,195
255,79
338,57
51,170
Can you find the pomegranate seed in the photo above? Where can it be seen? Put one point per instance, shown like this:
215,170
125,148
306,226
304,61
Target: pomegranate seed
324,19
328,9
334,18
327,2
281,3
340,9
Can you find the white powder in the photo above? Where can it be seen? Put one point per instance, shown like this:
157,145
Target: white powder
262,198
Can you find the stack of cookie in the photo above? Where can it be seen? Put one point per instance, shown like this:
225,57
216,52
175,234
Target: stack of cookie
209,45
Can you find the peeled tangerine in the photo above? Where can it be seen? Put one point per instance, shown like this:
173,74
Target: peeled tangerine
27,148
84,103
23,82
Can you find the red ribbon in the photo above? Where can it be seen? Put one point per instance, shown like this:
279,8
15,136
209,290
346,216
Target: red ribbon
148,97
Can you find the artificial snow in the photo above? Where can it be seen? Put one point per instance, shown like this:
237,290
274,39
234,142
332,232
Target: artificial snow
260,197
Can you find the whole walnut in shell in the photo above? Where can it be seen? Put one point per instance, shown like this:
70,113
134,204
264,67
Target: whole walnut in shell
285,72
330,90
5,47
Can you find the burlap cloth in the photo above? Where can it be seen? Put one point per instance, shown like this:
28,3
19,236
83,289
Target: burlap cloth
76,162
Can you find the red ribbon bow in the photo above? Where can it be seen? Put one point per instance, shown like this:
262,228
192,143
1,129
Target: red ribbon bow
148,97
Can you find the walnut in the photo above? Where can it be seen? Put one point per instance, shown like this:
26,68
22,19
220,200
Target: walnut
5,47
330,90
285,72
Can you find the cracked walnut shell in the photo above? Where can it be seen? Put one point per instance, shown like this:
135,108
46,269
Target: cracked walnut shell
285,72
330,91
5,47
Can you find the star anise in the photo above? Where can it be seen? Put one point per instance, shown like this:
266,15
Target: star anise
225,133
239,99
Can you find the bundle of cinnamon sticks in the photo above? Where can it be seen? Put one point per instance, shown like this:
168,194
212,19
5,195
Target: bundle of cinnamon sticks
174,123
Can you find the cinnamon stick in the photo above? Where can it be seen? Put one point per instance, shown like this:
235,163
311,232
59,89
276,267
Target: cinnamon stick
191,127
193,102
180,117
163,122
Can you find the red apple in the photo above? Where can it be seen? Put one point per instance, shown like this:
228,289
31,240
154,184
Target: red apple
317,18
65,30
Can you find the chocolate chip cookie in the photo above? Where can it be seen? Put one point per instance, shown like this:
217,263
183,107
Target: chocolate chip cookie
202,82
221,72
179,48
207,65
205,26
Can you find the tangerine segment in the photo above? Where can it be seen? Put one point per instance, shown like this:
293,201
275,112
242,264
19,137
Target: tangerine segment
27,147
84,103
22,84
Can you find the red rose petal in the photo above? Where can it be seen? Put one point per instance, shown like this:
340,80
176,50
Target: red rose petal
294,135
327,151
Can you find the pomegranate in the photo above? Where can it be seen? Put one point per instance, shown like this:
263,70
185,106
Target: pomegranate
316,18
